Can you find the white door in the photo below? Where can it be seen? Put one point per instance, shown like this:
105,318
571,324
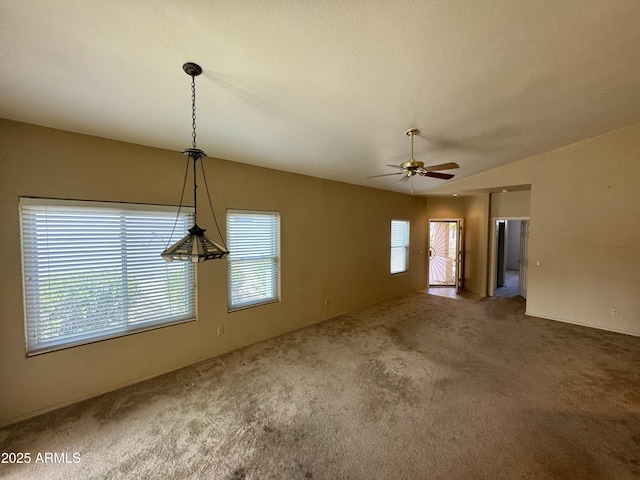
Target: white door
524,258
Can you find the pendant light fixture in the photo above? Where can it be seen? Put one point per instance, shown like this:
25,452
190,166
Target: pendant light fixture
196,246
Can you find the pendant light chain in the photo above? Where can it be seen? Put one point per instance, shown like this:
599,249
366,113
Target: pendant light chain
193,110
194,144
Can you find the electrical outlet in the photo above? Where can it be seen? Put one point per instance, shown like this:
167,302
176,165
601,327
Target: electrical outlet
220,330
614,312
326,302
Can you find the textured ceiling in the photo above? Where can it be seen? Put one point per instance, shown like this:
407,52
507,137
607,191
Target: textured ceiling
328,88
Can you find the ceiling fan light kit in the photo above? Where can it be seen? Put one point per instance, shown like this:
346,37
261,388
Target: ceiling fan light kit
414,167
195,246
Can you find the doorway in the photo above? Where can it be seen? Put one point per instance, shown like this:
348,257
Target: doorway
510,257
445,252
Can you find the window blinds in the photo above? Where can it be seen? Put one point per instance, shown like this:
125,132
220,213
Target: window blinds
399,245
92,270
253,264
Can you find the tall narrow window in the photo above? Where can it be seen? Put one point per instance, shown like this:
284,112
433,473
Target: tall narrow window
399,245
253,265
92,270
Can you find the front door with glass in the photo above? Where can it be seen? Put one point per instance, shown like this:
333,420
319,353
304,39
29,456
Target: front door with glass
444,247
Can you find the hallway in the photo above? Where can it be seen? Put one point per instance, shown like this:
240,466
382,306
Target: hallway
510,288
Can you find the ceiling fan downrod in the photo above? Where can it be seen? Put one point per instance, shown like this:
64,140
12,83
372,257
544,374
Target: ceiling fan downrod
412,163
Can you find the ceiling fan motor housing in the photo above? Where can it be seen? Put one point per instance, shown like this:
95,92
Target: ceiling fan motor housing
412,164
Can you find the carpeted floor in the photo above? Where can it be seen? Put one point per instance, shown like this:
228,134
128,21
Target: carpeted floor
417,387
510,287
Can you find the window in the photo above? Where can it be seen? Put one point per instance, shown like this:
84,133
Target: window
253,264
399,245
92,270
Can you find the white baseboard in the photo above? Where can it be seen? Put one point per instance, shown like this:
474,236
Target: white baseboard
583,324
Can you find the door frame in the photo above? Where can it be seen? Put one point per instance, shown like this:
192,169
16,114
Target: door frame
492,251
459,257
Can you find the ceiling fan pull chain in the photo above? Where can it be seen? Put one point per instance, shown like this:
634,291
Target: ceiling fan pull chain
193,110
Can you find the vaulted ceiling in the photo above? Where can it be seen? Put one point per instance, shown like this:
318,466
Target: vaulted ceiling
328,88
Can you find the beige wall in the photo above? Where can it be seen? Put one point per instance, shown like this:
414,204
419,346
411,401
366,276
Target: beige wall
334,243
445,207
511,204
585,206
476,226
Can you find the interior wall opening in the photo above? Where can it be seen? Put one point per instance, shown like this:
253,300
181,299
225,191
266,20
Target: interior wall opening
510,257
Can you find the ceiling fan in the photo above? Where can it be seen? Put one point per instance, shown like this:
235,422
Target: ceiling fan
414,167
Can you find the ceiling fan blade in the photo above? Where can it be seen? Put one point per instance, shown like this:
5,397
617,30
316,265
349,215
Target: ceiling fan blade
442,176
385,175
442,166
405,178
394,166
